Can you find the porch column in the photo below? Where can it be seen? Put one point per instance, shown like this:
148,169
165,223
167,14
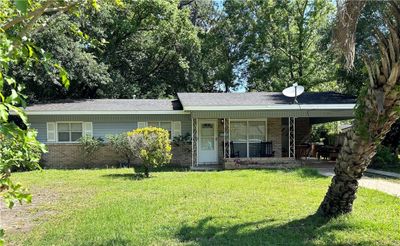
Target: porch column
227,139
194,141
292,137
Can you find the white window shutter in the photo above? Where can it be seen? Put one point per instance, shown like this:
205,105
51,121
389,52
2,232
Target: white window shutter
176,129
51,131
88,129
141,124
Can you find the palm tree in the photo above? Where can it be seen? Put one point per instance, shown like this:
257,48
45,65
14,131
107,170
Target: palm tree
378,106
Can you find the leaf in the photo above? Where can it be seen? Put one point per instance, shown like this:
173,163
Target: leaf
63,75
10,81
3,113
13,98
21,5
95,5
20,112
1,82
30,50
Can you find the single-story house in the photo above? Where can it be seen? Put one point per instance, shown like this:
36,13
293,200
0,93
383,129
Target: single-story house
228,129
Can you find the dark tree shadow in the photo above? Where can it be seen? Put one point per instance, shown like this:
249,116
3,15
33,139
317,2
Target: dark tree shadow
114,241
265,232
300,171
140,169
125,176
309,173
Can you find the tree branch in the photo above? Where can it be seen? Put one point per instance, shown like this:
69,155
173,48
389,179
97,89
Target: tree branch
35,14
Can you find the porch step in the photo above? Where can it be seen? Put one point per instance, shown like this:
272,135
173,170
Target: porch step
207,168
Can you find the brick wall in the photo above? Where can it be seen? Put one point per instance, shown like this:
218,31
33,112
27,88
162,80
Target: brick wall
70,156
275,135
303,130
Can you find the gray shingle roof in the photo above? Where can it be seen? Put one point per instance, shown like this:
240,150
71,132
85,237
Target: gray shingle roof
109,105
261,99
192,99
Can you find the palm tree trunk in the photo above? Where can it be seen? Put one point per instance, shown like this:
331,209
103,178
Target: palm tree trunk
378,108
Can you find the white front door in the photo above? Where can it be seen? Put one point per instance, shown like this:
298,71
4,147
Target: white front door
208,143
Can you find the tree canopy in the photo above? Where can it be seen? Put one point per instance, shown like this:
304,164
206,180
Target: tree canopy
154,49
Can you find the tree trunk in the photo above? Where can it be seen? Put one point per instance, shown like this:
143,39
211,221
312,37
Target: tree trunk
353,160
377,110
146,171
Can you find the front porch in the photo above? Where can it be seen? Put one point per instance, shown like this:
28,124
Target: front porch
227,143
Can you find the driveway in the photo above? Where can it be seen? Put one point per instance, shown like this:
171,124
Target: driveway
388,187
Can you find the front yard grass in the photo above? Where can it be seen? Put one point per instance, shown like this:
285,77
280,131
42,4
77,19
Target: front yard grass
249,207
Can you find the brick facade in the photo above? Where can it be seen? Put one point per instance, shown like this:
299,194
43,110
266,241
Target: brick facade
303,130
70,156
274,135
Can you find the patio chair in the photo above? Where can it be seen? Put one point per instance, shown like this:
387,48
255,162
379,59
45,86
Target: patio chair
267,147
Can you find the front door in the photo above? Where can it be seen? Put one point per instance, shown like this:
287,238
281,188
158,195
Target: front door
208,143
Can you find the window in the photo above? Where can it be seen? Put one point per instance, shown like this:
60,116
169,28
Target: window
69,132
207,136
167,125
247,138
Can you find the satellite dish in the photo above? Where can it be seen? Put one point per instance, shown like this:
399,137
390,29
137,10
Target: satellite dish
293,91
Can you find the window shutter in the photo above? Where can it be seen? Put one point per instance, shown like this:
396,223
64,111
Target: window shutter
176,129
51,131
141,124
88,129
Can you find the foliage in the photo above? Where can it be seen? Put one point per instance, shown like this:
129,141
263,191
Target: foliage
283,42
143,49
384,157
121,145
201,208
326,132
88,77
392,138
371,17
156,48
151,145
183,139
18,149
89,146
18,20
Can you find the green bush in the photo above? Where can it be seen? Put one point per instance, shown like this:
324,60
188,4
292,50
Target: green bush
120,144
151,145
384,158
89,146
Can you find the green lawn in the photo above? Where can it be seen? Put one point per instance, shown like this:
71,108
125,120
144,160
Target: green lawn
250,207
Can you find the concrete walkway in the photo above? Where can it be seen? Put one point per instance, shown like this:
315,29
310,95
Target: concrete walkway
383,173
388,187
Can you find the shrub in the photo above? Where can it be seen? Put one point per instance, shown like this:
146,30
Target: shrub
384,158
151,145
89,146
120,144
